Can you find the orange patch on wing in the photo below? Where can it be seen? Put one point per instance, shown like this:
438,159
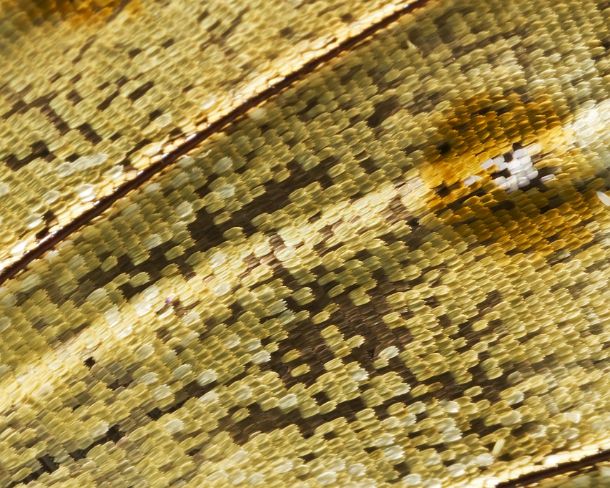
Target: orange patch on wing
483,127
75,11
545,219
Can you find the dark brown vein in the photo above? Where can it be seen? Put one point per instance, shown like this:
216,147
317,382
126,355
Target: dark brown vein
531,479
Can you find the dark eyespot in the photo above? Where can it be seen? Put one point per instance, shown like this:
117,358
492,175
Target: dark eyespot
444,148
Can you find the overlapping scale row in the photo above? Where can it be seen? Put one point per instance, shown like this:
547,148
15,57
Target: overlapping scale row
393,273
